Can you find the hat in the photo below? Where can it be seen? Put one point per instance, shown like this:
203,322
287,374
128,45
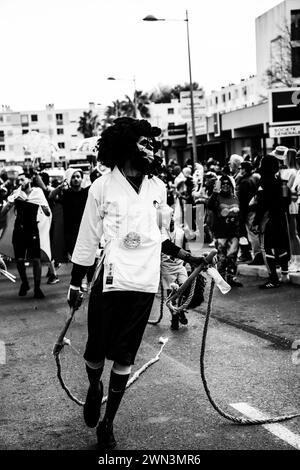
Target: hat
279,152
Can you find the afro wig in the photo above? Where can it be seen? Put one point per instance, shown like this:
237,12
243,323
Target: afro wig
118,142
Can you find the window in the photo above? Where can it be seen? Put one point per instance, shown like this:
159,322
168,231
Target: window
61,145
2,148
245,91
25,131
59,119
1,118
8,118
59,131
9,133
35,130
74,135
229,96
170,110
224,98
295,25
237,93
1,136
34,118
216,100
296,62
24,119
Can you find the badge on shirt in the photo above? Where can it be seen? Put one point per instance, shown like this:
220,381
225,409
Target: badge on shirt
109,277
132,240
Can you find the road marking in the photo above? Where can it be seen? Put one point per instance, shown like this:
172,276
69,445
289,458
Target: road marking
286,106
2,353
277,429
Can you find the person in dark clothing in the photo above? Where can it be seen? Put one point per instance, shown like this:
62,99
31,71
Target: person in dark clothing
73,199
124,207
226,228
271,222
26,238
246,189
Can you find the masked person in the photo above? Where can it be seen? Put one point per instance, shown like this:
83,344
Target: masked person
122,208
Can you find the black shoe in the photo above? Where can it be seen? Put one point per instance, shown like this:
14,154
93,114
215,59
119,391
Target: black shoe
234,283
175,322
92,406
270,285
52,279
244,258
38,294
23,289
105,436
182,318
258,260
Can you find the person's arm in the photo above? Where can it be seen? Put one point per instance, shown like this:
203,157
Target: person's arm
169,248
58,190
46,210
6,208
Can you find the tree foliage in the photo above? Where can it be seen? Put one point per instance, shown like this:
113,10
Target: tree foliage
88,124
280,71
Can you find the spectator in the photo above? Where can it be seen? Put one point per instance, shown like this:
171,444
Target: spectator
271,222
226,229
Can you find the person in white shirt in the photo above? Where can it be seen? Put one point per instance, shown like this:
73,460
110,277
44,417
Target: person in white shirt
126,208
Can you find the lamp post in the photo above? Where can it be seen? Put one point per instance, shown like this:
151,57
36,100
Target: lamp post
153,18
134,91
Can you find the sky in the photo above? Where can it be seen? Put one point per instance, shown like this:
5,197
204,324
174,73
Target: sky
63,51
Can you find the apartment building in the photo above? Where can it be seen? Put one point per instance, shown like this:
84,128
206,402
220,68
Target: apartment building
45,134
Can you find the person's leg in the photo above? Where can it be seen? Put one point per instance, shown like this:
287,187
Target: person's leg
92,406
117,385
295,244
22,273
37,273
270,260
52,278
222,258
232,252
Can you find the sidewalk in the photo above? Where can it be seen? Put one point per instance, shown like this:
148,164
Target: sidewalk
273,314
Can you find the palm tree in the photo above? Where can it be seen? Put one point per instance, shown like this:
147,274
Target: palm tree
88,124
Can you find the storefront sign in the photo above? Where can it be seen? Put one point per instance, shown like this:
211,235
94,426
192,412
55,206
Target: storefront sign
284,131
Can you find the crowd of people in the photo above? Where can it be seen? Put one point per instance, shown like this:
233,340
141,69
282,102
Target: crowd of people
248,209
130,228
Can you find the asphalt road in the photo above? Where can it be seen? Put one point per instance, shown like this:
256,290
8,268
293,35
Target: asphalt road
166,408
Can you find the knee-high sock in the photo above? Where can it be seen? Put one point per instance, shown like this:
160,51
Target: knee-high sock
94,375
117,385
22,271
37,272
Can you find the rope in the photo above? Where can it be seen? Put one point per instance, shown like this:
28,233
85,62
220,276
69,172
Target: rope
235,419
62,341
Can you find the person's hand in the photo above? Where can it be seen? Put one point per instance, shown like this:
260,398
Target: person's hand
75,296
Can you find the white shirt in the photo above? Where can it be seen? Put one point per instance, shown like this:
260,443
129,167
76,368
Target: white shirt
114,210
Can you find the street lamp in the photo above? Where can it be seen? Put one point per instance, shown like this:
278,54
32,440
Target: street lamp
153,18
134,92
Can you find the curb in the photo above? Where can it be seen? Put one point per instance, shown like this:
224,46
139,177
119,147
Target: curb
261,271
281,341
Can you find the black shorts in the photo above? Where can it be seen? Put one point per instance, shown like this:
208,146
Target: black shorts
26,244
116,324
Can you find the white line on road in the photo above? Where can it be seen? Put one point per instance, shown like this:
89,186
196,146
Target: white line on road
2,353
286,106
277,429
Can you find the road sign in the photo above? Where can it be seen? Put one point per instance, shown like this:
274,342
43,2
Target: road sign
284,131
284,106
185,104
